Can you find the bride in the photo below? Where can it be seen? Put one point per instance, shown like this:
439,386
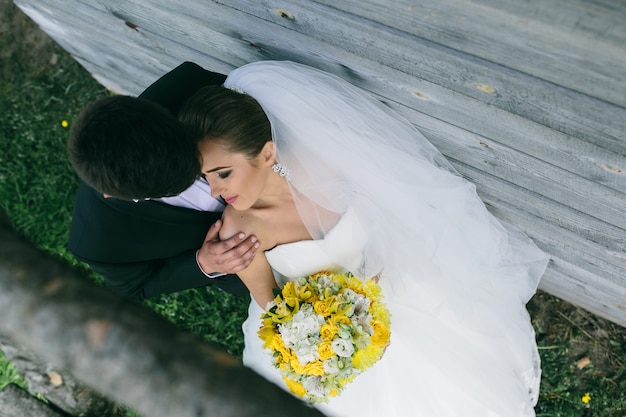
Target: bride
329,178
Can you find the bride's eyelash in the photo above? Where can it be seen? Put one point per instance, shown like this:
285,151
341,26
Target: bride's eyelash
224,174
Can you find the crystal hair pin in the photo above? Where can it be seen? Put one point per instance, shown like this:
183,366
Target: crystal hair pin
235,89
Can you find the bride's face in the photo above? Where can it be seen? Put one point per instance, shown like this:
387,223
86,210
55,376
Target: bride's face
239,180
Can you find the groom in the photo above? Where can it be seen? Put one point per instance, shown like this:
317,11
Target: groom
148,247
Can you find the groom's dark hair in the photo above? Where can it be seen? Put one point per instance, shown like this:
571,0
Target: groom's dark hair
131,148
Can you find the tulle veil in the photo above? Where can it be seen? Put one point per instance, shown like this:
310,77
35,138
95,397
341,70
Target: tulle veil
346,149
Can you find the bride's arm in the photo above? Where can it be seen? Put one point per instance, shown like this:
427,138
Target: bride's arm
258,276
259,279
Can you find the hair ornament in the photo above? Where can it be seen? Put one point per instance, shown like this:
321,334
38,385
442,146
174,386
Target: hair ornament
235,89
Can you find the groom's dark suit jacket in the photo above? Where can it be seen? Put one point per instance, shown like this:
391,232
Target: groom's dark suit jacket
148,248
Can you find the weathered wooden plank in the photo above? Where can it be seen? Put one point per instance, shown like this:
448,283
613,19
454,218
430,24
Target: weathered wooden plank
550,225
577,44
122,58
566,152
582,271
579,239
578,287
527,172
584,159
578,115
590,120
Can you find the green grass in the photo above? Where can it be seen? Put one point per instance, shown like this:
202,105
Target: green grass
9,375
580,354
44,86
212,314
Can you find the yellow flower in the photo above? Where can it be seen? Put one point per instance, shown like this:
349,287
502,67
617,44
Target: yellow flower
278,345
281,314
346,380
305,293
321,307
64,123
267,333
354,283
379,312
335,306
366,357
296,366
374,290
328,331
333,392
295,387
325,350
586,398
381,334
291,296
340,319
314,368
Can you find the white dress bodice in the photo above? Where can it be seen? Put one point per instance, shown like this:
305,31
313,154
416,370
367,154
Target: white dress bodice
338,251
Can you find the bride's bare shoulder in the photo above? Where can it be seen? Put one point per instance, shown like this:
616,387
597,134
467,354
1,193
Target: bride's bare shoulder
234,221
271,226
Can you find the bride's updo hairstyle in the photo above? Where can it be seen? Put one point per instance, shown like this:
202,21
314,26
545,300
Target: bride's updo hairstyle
232,119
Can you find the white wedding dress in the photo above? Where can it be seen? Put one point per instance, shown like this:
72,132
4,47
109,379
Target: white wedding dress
455,279
435,366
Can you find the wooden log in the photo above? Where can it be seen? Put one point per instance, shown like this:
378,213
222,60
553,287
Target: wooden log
123,349
60,389
15,402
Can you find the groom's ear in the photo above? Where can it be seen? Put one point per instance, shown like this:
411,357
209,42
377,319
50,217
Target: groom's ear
268,153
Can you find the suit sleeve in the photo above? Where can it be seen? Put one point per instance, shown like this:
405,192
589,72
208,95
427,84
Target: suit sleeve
143,280
174,88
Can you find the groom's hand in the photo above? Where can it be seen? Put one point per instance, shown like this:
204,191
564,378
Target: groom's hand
229,256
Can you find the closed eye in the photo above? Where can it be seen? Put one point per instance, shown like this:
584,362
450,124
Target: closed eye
223,174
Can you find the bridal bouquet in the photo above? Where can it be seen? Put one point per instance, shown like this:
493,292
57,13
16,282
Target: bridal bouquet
323,330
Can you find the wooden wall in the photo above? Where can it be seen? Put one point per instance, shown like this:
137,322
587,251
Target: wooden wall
527,98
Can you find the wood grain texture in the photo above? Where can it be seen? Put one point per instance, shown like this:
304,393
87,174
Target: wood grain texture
527,100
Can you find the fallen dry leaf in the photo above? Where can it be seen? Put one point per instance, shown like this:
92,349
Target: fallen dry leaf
55,378
583,362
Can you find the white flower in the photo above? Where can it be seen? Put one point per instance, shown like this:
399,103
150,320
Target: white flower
306,351
362,305
344,331
350,295
343,347
363,321
301,334
331,365
336,365
314,386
